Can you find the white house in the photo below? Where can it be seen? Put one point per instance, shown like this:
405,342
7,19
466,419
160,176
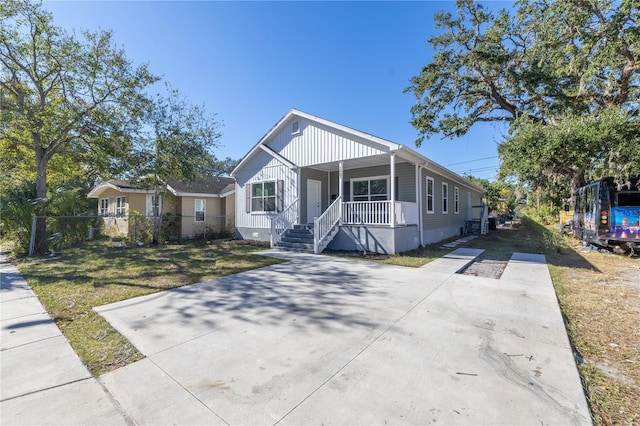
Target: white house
347,190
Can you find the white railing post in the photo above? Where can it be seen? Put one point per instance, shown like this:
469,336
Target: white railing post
392,217
316,235
340,185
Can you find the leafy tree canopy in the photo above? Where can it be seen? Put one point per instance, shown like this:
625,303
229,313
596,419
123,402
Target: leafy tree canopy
564,75
77,96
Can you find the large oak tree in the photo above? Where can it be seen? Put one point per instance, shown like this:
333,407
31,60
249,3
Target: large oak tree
564,75
76,95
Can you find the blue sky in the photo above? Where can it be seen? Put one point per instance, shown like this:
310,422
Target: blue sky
250,62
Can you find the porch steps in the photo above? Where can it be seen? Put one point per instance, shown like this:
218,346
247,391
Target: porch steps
300,239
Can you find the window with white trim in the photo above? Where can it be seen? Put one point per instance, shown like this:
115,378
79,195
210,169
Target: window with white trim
430,189
295,127
104,206
263,196
456,200
370,189
121,206
154,205
199,210
445,198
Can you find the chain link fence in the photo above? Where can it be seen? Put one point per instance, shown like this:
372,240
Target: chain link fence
54,233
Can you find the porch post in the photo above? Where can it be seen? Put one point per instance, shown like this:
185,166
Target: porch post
392,213
299,192
340,185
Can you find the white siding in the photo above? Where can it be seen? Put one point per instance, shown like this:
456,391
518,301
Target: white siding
262,167
315,144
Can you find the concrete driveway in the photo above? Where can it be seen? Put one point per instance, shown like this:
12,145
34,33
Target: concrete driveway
321,340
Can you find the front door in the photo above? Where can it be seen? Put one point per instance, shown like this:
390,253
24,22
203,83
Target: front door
314,209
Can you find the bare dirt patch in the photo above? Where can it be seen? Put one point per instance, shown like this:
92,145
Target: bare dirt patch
487,268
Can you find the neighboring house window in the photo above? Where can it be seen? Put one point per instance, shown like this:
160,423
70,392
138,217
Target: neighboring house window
154,206
456,200
370,189
104,206
263,197
430,195
295,128
121,206
445,198
200,210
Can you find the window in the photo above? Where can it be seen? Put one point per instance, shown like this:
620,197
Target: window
628,199
121,206
199,210
104,206
456,200
295,127
370,189
430,195
263,197
154,205
445,198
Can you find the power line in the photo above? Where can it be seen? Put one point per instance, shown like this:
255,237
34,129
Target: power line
471,161
479,169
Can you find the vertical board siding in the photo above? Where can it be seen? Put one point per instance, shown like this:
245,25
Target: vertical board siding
317,144
262,167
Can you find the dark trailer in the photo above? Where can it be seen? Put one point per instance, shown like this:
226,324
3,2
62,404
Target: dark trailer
608,214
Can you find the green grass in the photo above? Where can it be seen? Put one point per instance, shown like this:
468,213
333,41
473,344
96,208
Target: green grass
72,284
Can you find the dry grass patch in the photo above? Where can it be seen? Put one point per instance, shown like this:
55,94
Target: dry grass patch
602,308
71,285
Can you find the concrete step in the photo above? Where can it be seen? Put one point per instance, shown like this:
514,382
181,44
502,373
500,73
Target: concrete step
307,226
299,232
297,239
297,246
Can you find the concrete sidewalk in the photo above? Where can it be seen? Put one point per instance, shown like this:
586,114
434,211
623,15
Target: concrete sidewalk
43,380
314,340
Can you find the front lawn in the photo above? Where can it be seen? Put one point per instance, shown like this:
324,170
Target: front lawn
72,284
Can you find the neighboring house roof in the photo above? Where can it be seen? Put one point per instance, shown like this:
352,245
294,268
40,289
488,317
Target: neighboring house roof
208,186
386,145
118,185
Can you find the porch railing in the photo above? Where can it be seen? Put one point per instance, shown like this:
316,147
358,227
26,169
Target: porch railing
378,213
324,225
283,221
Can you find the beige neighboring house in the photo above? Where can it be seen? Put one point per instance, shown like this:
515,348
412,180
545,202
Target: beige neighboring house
203,205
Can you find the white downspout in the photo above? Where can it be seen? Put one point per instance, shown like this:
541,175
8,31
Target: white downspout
419,201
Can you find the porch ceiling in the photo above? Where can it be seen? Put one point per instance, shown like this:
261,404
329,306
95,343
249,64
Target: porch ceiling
357,163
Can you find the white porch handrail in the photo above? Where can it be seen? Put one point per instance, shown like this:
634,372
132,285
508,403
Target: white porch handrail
283,221
366,212
325,224
379,213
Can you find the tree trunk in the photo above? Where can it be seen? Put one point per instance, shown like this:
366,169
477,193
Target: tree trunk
577,181
41,195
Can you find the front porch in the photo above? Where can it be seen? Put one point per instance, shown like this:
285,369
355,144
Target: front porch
358,202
